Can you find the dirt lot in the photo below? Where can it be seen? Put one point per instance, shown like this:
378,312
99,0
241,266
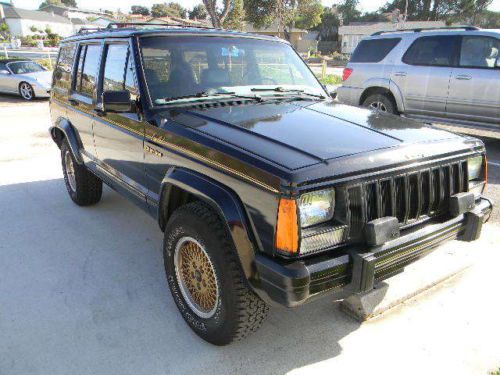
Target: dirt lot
83,291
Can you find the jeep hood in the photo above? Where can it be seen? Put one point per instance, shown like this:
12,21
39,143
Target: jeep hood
302,133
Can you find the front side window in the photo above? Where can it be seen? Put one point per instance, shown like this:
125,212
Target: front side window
432,51
186,66
88,67
24,67
119,69
373,50
479,52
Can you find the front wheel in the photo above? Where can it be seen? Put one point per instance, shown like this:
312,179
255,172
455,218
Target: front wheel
380,103
26,91
205,277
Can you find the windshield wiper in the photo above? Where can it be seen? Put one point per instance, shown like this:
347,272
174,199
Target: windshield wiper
283,90
208,94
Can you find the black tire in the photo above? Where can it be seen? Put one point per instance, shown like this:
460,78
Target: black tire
85,189
26,91
238,311
381,102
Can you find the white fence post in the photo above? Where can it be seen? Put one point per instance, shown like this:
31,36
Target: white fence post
5,52
50,60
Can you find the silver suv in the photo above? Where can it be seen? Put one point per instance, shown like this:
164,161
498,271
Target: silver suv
449,75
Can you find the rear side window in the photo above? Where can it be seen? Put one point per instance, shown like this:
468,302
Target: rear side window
479,52
373,50
432,51
88,66
62,73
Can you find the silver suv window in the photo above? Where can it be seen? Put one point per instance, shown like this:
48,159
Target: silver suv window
373,50
432,51
479,52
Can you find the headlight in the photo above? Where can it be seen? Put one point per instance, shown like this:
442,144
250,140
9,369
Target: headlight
316,207
474,167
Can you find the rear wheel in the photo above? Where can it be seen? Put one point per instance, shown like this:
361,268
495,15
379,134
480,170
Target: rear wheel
83,187
381,103
205,277
26,91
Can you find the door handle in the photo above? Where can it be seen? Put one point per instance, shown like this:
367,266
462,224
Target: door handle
463,77
74,102
400,74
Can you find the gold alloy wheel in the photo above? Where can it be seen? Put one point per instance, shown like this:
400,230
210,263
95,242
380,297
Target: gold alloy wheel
196,277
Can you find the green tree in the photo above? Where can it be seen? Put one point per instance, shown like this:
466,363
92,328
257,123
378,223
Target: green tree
68,3
168,9
234,20
199,12
348,11
451,10
216,13
308,14
139,9
4,31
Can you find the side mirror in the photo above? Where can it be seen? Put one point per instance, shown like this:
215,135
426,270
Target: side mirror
331,90
117,101
4,71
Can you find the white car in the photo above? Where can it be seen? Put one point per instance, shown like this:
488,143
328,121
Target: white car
26,78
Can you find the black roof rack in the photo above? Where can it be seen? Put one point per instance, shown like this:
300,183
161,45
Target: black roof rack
419,29
126,25
133,25
86,30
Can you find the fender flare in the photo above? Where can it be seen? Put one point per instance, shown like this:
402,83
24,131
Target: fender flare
388,85
223,200
64,126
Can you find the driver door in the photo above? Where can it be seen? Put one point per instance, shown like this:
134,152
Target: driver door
119,137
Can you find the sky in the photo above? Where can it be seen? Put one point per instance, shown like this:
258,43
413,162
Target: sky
124,5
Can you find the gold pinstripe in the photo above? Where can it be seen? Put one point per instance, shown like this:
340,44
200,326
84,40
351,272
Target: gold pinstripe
184,150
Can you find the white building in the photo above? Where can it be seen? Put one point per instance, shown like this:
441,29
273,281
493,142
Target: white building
352,34
21,21
71,13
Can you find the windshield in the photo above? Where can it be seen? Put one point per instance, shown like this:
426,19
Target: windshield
23,67
187,68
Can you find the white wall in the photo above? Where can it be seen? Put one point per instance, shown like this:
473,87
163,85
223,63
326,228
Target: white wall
21,27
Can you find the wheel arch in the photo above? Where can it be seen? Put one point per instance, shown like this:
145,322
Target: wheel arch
64,130
181,186
383,86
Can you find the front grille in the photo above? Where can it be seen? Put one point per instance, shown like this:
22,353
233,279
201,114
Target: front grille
410,197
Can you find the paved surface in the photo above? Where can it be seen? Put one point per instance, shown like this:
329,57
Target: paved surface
83,291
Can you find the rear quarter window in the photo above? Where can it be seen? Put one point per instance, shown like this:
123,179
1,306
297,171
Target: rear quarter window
373,50
62,73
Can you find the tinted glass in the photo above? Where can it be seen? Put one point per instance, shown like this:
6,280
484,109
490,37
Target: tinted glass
86,77
62,73
374,50
114,69
432,50
186,66
3,66
479,52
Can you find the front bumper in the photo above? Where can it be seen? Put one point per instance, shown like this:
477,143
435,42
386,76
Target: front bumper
41,91
358,270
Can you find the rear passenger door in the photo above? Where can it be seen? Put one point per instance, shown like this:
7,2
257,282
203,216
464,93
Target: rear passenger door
83,95
475,83
424,74
119,137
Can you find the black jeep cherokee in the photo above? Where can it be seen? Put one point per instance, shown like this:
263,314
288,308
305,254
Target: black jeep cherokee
268,192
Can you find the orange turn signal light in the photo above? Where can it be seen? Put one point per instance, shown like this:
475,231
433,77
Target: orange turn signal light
287,230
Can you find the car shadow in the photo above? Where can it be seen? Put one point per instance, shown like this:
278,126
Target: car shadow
16,99
84,288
